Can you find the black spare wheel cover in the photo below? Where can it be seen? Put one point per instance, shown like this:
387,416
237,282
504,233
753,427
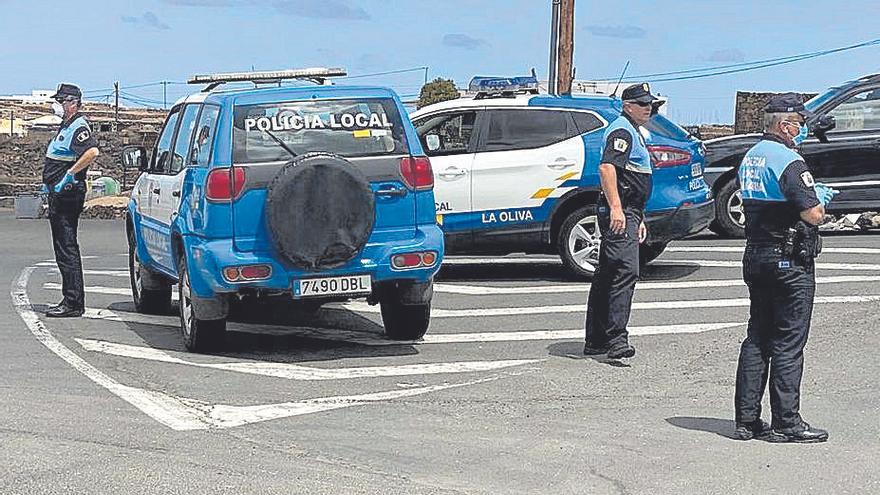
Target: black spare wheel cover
320,211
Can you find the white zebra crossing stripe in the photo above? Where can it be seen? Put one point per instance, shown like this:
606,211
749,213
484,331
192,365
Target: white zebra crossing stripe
740,249
297,372
738,264
362,307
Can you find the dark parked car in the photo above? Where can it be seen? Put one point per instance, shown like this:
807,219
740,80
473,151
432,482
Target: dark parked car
842,151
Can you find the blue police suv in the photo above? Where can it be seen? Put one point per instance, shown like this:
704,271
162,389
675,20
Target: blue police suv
313,193
516,171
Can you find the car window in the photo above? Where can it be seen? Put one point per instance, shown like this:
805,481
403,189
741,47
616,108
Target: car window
662,126
586,122
184,137
162,154
446,134
859,112
203,144
350,128
523,129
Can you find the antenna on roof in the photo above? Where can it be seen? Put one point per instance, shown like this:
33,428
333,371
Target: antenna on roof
318,75
614,93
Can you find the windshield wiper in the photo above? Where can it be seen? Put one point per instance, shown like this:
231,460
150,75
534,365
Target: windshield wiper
281,143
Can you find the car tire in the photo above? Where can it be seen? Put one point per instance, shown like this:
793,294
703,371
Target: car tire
729,212
649,251
578,242
149,301
405,321
198,335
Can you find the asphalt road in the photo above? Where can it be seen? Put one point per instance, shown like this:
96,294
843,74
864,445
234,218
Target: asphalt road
497,399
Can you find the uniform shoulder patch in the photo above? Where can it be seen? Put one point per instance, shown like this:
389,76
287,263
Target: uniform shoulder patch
808,180
83,136
620,145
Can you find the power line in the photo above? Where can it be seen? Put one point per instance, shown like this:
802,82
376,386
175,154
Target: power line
399,71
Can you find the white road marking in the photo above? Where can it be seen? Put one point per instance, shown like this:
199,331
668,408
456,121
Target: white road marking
740,249
499,260
738,264
179,413
101,273
297,372
459,338
479,290
100,289
362,307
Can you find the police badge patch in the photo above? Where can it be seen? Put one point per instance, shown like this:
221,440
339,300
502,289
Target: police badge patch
83,136
620,145
807,177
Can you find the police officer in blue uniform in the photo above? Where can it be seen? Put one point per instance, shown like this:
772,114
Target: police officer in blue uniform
783,206
68,157
625,174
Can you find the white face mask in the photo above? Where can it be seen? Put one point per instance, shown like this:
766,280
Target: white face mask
58,109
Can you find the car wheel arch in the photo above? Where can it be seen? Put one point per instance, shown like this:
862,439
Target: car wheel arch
566,205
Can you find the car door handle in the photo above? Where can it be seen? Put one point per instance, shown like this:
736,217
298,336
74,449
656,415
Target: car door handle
394,192
453,175
176,194
157,190
560,164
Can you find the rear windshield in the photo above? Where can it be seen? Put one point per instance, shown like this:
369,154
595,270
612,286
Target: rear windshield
349,128
666,128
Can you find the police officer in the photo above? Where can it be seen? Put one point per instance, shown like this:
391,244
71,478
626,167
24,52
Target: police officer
68,157
625,173
783,206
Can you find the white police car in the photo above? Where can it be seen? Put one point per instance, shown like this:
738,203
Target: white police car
519,173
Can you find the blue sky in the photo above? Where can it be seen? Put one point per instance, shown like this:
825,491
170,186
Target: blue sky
94,43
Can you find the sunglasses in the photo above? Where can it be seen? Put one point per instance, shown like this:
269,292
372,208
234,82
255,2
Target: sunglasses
640,103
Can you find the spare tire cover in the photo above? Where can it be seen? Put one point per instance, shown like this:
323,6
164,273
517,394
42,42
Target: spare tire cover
320,211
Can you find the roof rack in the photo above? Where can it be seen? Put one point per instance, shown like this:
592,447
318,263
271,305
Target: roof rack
318,75
486,87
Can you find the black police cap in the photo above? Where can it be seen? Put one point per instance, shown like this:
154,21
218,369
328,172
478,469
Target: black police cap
787,103
638,92
66,90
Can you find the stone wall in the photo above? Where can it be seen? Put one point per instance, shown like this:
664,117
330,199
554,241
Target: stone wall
750,110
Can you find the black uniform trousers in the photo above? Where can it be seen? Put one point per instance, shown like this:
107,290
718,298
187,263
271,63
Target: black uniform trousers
781,292
613,284
64,210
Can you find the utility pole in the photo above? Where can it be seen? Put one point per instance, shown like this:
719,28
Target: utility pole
116,90
426,74
561,47
165,95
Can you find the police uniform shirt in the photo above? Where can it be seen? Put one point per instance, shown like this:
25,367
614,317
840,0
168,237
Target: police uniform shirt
73,139
776,186
625,148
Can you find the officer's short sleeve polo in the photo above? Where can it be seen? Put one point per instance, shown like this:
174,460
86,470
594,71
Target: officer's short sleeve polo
83,140
618,146
796,183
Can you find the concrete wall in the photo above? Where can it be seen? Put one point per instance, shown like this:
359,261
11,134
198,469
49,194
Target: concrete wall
750,110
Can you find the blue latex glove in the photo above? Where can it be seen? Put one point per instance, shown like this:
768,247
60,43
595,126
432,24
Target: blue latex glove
68,179
825,193
44,189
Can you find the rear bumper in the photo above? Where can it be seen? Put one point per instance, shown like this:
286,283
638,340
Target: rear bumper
668,225
208,258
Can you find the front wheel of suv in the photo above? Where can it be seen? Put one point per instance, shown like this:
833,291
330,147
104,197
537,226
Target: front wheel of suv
405,321
198,335
150,300
578,242
730,216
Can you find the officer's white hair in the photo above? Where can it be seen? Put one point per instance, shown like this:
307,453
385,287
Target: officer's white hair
772,120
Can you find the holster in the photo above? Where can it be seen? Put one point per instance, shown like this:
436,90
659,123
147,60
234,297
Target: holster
807,241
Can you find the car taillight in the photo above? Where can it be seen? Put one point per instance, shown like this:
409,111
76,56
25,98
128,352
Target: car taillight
247,273
224,184
416,172
407,261
667,156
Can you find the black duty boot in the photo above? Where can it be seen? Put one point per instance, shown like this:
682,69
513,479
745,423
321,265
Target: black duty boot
621,350
754,429
595,350
64,311
802,433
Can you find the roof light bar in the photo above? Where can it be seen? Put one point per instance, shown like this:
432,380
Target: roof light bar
501,85
316,74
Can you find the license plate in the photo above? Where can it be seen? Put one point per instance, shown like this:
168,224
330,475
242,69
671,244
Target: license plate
696,170
332,286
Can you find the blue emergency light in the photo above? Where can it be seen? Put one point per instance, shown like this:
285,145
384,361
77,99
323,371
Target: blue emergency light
503,85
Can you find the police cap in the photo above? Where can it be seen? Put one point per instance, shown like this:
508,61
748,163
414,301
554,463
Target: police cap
638,92
787,103
66,91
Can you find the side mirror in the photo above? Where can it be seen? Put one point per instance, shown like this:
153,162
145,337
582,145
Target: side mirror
432,141
134,157
823,125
